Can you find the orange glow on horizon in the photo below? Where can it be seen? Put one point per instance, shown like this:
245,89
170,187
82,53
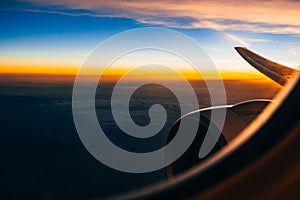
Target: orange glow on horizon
49,67
114,74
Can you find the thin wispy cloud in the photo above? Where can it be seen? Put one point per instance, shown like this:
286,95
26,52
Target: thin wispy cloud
237,39
272,16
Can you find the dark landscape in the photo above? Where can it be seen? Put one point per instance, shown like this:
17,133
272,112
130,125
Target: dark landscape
42,155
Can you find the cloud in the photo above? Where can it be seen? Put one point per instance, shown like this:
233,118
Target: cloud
271,16
237,39
248,41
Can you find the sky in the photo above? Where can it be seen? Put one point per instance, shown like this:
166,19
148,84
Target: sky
56,36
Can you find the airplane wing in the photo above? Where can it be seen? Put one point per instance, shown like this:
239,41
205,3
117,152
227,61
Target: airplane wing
277,72
237,116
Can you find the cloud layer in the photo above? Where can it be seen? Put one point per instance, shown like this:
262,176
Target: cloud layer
272,16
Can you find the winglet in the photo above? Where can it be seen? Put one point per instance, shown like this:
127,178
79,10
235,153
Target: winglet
277,72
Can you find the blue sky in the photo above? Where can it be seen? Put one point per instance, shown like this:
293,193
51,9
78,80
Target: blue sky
49,31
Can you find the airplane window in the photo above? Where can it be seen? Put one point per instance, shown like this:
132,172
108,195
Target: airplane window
110,100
